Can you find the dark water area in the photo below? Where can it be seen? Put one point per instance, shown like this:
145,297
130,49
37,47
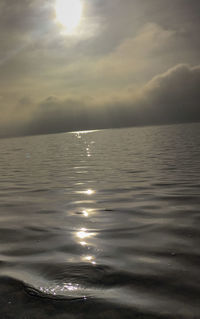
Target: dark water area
101,224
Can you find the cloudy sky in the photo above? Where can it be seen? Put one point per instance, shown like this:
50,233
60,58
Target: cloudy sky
101,63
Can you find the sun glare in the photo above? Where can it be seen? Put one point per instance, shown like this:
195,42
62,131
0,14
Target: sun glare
68,14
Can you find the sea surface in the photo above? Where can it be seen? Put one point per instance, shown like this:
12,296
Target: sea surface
101,224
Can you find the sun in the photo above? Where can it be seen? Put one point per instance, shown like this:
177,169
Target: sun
68,14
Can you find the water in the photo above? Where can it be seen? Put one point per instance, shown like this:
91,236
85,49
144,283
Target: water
102,224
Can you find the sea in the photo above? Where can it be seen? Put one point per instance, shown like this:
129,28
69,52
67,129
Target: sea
101,224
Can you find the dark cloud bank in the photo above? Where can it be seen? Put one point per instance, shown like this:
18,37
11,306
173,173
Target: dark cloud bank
172,97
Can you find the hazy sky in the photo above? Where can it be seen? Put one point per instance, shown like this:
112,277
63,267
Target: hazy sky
125,62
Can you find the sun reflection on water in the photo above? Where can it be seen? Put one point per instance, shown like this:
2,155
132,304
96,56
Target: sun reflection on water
85,213
83,233
86,192
89,259
83,243
60,288
89,192
84,132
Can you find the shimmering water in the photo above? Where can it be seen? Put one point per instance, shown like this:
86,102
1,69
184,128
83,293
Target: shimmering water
102,224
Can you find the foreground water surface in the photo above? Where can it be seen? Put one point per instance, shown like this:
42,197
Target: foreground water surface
101,224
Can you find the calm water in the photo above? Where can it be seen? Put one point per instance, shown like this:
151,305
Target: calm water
102,224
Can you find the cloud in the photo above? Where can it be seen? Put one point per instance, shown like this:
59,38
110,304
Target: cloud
171,97
114,77
136,56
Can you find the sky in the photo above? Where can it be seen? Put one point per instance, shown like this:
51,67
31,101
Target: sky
115,63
